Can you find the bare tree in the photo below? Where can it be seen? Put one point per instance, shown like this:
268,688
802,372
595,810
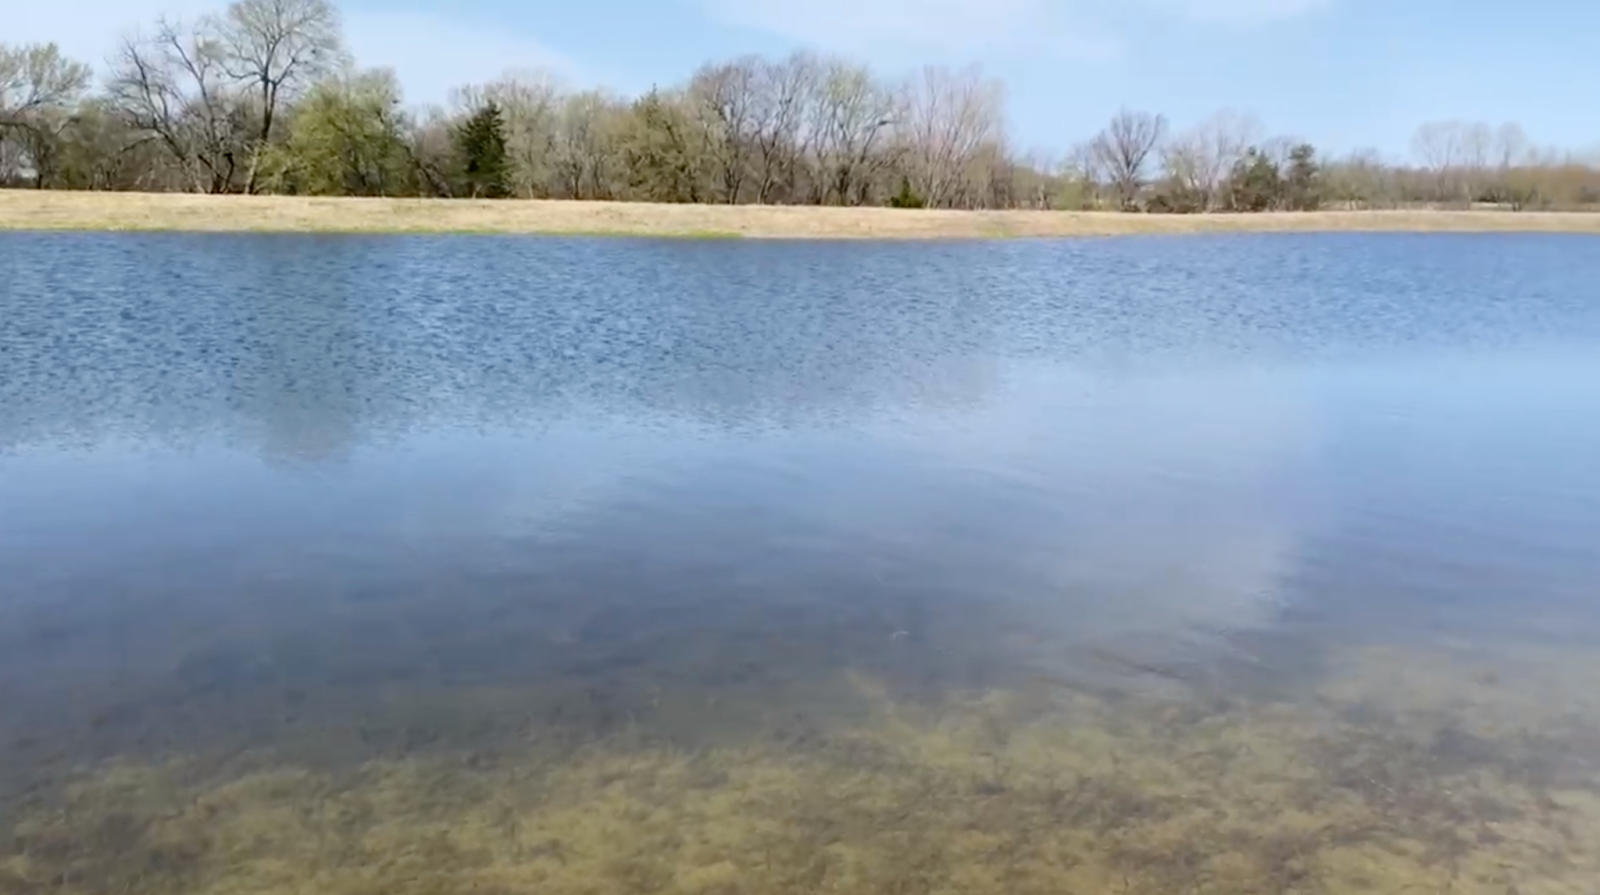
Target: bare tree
1186,163
431,144
1510,145
1037,179
993,178
587,146
173,87
1357,180
948,117
530,106
1081,172
39,89
1438,146
1477,150
1123,150
780,107
276,48
1508,150
726,100
1201,158
35,77
850,117
1279,148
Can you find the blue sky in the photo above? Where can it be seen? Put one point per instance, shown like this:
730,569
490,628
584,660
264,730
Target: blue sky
1342,73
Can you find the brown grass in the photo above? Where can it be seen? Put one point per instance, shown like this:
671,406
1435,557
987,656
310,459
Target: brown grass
32,210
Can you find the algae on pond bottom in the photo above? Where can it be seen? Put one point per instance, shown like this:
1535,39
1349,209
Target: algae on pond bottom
1033,789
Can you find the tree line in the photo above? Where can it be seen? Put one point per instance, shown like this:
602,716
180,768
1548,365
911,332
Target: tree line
263,97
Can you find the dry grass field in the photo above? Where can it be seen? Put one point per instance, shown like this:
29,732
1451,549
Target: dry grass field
47,210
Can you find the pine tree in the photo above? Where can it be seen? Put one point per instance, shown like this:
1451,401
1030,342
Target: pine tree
661,163
1255,184
481,150
907,197
1302,183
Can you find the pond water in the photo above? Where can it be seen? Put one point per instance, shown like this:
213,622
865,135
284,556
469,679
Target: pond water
390,565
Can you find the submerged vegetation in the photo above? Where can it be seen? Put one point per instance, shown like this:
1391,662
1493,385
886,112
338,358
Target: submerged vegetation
854,786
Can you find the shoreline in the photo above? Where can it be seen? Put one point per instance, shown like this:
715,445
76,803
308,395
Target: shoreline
47,210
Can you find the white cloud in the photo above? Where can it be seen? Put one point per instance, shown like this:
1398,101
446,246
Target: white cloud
1250,12
1074,29
429,52
955,27
1176,518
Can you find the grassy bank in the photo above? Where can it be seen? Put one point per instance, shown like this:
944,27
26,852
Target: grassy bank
47,210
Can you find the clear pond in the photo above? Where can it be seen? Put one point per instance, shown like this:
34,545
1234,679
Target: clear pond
359,565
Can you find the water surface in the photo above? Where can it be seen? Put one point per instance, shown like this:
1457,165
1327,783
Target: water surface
361,564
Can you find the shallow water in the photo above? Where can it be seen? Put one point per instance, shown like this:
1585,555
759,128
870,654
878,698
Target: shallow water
1236,564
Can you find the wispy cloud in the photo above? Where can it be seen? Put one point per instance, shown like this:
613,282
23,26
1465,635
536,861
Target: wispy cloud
1251,12
1072,29
944,27
432,54
1163,535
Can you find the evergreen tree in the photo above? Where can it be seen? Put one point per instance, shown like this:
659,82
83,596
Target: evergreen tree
660,158
481,151
1174,196
1302,183
907,197
1255,184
